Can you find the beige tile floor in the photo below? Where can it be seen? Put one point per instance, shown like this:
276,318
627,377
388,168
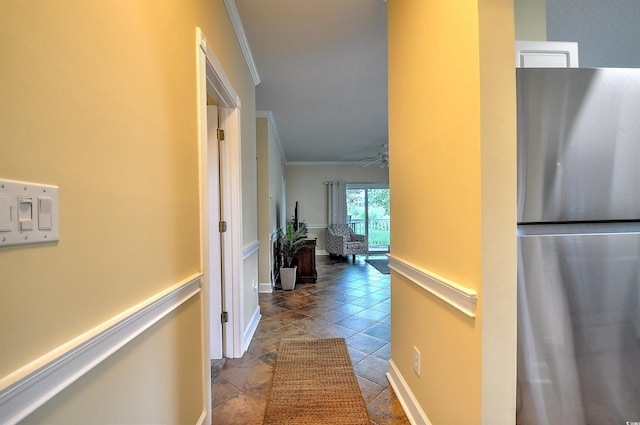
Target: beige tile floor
349,301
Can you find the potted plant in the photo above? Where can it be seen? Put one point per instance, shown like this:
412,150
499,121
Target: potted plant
291,241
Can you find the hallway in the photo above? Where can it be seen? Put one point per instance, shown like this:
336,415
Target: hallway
350,301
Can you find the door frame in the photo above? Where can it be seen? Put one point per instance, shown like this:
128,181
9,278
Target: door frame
366,187
212,214
212,81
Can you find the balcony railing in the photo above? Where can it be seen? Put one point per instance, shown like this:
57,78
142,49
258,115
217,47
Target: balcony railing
378,234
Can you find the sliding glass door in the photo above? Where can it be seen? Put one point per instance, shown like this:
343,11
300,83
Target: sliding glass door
368,214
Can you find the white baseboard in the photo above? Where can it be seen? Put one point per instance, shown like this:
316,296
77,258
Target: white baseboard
202,418
412,409
265,288
251,329
29,387
321,252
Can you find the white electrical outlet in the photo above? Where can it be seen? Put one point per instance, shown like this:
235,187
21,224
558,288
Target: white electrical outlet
416,361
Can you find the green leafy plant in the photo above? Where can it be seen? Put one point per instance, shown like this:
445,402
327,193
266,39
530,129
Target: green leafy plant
291,241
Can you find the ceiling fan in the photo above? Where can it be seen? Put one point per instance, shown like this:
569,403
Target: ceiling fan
382,159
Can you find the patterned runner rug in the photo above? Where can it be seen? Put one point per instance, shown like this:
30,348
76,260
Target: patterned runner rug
314,383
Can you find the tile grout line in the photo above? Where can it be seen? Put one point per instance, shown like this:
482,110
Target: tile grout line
328,306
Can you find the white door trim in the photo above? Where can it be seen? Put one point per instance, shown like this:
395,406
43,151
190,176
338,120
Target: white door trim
212,252
231,188
212,81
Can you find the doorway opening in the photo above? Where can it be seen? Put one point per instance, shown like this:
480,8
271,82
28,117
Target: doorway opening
214,88
213,260
368,213
220,201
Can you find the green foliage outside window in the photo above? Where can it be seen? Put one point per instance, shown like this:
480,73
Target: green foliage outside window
378,210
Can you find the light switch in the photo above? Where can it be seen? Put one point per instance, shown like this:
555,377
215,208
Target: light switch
29,213
5,213
25,213
45,207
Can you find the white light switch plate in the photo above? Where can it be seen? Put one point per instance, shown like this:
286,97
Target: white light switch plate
28,225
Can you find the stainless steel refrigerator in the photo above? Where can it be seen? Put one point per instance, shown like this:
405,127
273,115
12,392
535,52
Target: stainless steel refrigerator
578,246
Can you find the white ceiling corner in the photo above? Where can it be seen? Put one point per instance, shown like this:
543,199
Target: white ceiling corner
269,116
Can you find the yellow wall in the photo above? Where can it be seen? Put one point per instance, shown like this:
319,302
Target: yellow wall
435,136
270,172
497,309
99,98
452,180
264,203
124,380
530,19
276,175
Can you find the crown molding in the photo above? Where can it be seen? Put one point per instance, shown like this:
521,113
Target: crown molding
234,15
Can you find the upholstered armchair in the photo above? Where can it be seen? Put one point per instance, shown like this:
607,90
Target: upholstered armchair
340,240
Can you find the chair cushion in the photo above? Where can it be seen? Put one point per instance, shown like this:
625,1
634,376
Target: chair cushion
342,230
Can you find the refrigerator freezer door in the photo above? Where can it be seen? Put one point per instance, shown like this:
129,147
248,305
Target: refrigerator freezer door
578,329
578,144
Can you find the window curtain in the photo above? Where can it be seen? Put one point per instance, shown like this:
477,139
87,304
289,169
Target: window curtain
336,202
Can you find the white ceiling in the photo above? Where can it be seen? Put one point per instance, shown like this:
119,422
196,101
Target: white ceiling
323,72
